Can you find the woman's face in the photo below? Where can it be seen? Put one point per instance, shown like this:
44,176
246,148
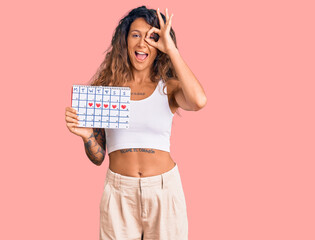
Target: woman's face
137,45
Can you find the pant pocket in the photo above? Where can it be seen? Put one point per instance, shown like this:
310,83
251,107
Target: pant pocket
180,196
177,192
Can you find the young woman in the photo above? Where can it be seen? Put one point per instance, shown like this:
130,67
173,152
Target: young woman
143,196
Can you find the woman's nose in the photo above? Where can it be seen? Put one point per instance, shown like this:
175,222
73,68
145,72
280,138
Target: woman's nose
142,42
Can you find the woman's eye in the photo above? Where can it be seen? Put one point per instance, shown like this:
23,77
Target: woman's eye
135,35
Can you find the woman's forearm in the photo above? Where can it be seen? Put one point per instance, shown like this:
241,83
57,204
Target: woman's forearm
93,150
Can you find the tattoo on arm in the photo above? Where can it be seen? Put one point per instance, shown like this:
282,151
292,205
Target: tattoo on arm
99,134
94,147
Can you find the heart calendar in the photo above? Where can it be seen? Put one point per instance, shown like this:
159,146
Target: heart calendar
102,106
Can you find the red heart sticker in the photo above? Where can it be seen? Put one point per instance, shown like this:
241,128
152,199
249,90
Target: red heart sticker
114,106
105,105
90,104
98,104
123,106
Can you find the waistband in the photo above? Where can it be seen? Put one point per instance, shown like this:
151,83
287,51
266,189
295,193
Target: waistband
119,180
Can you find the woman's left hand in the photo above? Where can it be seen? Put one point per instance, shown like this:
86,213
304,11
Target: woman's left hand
165,43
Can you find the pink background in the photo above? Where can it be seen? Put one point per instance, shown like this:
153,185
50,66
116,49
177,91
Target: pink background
246,159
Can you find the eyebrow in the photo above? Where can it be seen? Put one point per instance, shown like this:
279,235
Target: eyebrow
135,30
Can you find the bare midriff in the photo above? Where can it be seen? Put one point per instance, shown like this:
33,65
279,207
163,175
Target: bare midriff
140,162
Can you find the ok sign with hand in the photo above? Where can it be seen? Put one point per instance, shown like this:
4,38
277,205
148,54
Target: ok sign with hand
165,43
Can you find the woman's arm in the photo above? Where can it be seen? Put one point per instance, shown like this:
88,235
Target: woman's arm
190,94
95,146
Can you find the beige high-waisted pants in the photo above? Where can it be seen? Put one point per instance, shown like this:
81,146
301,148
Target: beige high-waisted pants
145,208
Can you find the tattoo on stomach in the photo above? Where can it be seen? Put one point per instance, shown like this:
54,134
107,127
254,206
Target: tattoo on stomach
146,150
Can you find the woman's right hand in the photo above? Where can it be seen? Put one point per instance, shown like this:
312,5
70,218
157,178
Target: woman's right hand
72,120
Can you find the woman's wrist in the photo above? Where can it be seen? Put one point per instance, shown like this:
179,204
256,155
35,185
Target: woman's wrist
87,138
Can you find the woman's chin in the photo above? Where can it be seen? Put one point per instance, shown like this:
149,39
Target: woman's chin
140,67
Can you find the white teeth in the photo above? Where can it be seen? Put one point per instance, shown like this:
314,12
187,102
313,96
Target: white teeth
140,52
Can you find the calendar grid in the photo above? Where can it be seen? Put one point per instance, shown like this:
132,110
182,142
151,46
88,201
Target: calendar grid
102,106
94,94
102,110
79,98
119,107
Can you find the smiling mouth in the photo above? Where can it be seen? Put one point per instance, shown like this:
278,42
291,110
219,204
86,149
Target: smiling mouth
141,56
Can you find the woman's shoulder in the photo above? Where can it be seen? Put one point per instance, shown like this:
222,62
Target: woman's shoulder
172,85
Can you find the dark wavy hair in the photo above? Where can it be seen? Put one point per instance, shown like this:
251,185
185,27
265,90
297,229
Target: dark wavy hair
115,70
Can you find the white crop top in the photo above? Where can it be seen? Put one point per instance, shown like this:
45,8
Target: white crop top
150,124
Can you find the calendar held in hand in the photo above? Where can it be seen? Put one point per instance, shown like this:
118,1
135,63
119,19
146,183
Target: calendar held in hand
101,106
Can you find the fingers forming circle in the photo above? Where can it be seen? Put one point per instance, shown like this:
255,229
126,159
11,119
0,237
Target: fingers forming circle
153,30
